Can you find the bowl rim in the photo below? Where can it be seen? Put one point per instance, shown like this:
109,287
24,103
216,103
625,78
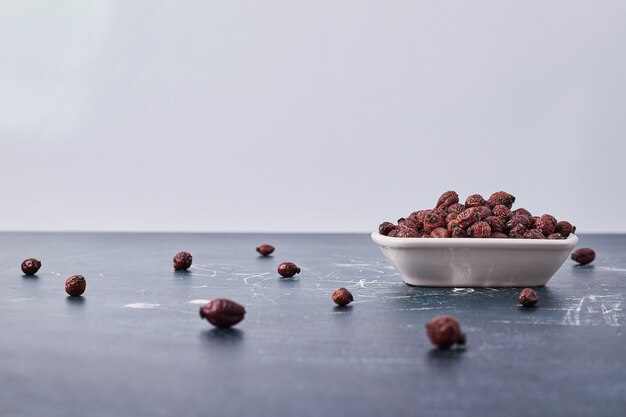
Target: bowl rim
418,242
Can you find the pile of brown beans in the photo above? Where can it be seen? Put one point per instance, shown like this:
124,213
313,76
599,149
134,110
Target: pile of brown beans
477,218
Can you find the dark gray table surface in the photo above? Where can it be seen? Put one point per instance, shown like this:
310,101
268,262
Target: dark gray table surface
134,344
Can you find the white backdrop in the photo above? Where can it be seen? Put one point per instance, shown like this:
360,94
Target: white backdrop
306,115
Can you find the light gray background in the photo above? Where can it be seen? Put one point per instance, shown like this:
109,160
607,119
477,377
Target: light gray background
306,115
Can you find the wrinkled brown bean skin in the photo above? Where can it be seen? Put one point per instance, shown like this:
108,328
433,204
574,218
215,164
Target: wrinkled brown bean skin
75,285
222,313
265,249
30,266
528,297
445,332
342,297
182,261
288,269
584,256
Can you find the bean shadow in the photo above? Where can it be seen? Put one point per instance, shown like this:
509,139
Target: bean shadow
182,274
30,277
342,310
223,338
445,360
75,302
442,298
289,280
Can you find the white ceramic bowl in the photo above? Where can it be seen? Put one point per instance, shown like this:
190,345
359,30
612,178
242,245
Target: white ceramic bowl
475,262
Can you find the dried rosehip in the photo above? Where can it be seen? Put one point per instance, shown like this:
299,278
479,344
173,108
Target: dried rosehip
528,297
517,232
288,269
75,285
408,223
533,221
385,228
479,229
518,219
406,232
564,228
444,332
182,261
420,215
433,221
458,233
523,212
475,200
222,313
453,224
501,211
484,212
534,234
498,235
545,224
440,212
446,199
30,266
555,236
468,217
551,218
501,197
393,233
265,249
584,256
456,208
342,297
440,232
496,223
450,217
